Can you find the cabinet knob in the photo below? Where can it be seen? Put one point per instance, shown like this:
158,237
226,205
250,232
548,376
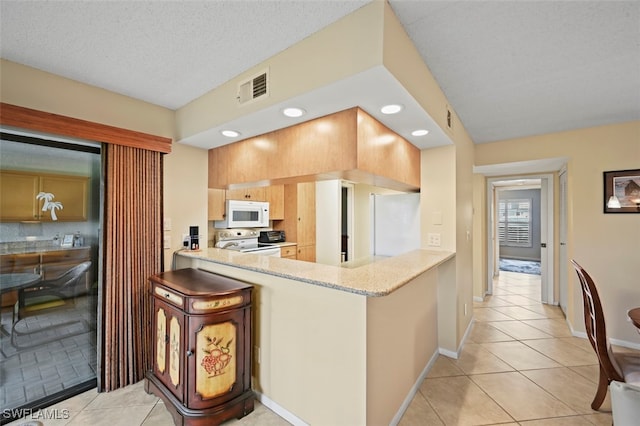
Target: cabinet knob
189,352
167,295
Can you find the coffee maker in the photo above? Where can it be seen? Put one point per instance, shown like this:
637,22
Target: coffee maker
194,239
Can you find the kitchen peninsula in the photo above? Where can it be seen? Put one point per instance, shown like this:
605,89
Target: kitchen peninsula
340,346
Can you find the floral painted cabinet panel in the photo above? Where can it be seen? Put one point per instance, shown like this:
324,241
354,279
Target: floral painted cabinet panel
168,346
201,345
218,363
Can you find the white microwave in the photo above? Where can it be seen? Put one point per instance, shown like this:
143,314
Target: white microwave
245,214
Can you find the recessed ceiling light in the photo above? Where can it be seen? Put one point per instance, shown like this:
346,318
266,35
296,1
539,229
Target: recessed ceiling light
294,112
230,133
420,132
391,109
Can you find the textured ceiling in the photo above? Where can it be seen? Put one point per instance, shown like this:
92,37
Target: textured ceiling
164,52
518,68
508,68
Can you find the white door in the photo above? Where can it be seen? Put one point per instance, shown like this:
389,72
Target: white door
546,259
563,241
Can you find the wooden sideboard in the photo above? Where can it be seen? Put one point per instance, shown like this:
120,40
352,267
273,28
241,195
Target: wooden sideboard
201,366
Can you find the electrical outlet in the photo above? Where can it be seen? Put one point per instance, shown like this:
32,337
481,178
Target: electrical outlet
433,240
167,241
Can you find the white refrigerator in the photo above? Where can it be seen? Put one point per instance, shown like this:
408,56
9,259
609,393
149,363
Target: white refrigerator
396,223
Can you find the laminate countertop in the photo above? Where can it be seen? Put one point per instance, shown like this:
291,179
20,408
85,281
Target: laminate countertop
378,278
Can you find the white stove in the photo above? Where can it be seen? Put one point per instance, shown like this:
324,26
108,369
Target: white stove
245,241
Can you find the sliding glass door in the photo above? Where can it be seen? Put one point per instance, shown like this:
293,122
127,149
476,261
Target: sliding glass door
50,198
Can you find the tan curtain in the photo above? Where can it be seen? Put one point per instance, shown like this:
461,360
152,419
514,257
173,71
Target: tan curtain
132,251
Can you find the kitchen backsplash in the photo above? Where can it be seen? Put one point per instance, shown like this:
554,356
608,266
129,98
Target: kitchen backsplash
21,237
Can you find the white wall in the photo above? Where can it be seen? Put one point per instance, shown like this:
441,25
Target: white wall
328,222
185,195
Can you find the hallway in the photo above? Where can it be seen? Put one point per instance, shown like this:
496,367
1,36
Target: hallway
520,365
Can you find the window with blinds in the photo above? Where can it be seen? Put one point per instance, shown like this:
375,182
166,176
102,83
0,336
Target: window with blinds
514,222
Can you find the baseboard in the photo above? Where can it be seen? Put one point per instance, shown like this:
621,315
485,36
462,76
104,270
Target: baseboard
456,355
625,344
414,390
616,342
279,410
296,421
525,259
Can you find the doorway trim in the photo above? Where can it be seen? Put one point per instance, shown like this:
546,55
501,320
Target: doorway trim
349,211
546,232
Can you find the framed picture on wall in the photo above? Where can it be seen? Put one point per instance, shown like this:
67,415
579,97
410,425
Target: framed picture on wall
622,191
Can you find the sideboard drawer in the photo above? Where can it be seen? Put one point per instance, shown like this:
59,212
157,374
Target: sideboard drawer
169,296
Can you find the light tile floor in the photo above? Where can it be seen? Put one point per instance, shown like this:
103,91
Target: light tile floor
46,361
520,366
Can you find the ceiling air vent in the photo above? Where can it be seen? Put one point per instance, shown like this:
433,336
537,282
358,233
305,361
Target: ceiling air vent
255,88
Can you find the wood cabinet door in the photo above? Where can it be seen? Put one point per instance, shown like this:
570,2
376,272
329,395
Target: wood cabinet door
168,347
247,194
19,263
18,197
306,214
71,192
275,197
219,369
307,253
56,263
216,204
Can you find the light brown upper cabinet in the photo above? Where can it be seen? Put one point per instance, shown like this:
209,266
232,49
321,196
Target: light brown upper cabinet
273,194
247,194
349,144
275,197
68,197
216,204
299,223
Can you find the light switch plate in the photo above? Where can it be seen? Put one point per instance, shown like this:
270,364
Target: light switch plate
167,241
433,240
167,224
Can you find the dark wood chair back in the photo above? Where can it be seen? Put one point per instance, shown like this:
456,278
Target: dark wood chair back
596,330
